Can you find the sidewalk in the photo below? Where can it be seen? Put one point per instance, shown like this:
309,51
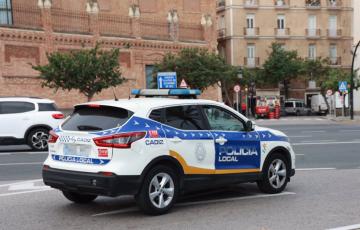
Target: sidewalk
344,119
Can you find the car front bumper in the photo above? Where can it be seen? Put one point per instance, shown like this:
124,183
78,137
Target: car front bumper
91,183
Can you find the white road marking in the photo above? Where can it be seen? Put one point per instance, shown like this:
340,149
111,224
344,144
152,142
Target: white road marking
315,169
19,182
327,143
345,131
25,192
23,163
300,136
199,202
25,153
320,141
27,186
317,131
350,227
300,154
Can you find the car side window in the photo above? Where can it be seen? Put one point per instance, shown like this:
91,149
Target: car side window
184,117
156,115
8,107
220,119
298,105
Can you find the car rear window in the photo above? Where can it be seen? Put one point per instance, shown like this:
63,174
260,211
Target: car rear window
289,104
47,107
86,118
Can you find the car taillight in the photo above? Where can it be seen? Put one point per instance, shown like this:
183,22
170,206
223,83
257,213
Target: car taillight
122,141
58,116
52,137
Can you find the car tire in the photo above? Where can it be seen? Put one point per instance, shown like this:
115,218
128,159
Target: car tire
275,174
37,139
159,191
79,198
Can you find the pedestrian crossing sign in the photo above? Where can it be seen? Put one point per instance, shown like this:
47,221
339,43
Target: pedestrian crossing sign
342,86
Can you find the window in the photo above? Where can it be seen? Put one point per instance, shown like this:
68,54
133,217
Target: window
47,107
251,55
156,115
221,22
332,25
219,119
333,53
250,21
184,117
5,12
8,107
289,104
281,22
87,118
312,52
312,25
299,105
150,80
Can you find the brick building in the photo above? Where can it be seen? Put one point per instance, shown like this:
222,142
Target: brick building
31,28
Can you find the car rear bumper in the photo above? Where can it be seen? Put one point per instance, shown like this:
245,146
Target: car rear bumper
91,183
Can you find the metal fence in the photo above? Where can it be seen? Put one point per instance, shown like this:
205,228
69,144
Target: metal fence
23,17
114,25
66,21
190,32
154,28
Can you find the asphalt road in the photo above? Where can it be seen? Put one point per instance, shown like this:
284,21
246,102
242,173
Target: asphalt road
324,193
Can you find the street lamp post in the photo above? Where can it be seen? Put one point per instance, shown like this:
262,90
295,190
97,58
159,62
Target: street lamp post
352,85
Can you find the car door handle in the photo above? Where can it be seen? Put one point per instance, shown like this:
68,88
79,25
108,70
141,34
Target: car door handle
176,140
221,140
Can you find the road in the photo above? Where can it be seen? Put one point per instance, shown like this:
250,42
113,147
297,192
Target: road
324,193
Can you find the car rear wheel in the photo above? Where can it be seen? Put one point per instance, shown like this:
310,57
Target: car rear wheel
79,198
275,174
159,191
37,139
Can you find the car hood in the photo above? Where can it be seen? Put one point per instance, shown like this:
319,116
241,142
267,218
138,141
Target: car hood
274,131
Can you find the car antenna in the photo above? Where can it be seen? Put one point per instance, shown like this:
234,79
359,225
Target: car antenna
116,99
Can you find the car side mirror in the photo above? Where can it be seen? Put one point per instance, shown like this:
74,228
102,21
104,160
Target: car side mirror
249,126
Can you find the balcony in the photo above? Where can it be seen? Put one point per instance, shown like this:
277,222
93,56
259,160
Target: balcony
28,17
313,33
334,4
334,33
282,33
251,4
251,32
220,5
221,33
313,4
282,4
335,61
252,62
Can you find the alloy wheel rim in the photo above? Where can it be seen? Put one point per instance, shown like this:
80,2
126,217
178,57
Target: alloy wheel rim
161,190
40,140
277,173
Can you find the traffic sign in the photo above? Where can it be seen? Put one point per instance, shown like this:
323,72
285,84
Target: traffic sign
237,88
183,84
342,86
167,80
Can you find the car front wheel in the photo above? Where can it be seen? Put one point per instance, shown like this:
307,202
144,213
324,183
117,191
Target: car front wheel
159,191
275,174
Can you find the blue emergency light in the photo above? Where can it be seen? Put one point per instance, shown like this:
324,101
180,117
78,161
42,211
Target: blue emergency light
181,93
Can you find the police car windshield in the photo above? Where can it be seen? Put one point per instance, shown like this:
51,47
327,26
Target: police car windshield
90,118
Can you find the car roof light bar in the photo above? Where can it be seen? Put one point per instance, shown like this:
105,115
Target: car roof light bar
182,93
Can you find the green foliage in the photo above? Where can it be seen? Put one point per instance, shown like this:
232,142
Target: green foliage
200,68
87,70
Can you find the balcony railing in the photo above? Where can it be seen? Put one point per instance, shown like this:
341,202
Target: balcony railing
70,21
189,31
222,33
334,4
251,32
282,33
282,4
114,25
313,4
154,28
252,62
335,61
313,33
334,33
24,17
251,4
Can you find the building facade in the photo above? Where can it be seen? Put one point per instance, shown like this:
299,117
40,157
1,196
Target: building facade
144,30
315,28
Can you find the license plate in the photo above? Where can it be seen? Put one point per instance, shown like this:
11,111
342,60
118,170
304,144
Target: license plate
76,150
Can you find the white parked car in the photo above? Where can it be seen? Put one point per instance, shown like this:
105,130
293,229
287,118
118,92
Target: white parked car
26,120
159,148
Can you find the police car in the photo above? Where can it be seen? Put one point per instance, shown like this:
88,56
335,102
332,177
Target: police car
159,148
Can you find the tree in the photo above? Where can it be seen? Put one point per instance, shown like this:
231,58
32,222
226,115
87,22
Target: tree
200,68
87,70
281,66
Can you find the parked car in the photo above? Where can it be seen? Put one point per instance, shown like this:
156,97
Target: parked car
296,107
27,120
318,104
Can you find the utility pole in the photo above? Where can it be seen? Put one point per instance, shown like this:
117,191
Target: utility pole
352,85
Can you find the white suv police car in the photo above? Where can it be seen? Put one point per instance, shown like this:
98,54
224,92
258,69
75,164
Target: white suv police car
160,148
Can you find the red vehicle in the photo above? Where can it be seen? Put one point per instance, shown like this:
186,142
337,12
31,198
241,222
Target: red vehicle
265,105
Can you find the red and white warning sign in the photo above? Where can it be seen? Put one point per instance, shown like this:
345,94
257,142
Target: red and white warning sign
183,84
